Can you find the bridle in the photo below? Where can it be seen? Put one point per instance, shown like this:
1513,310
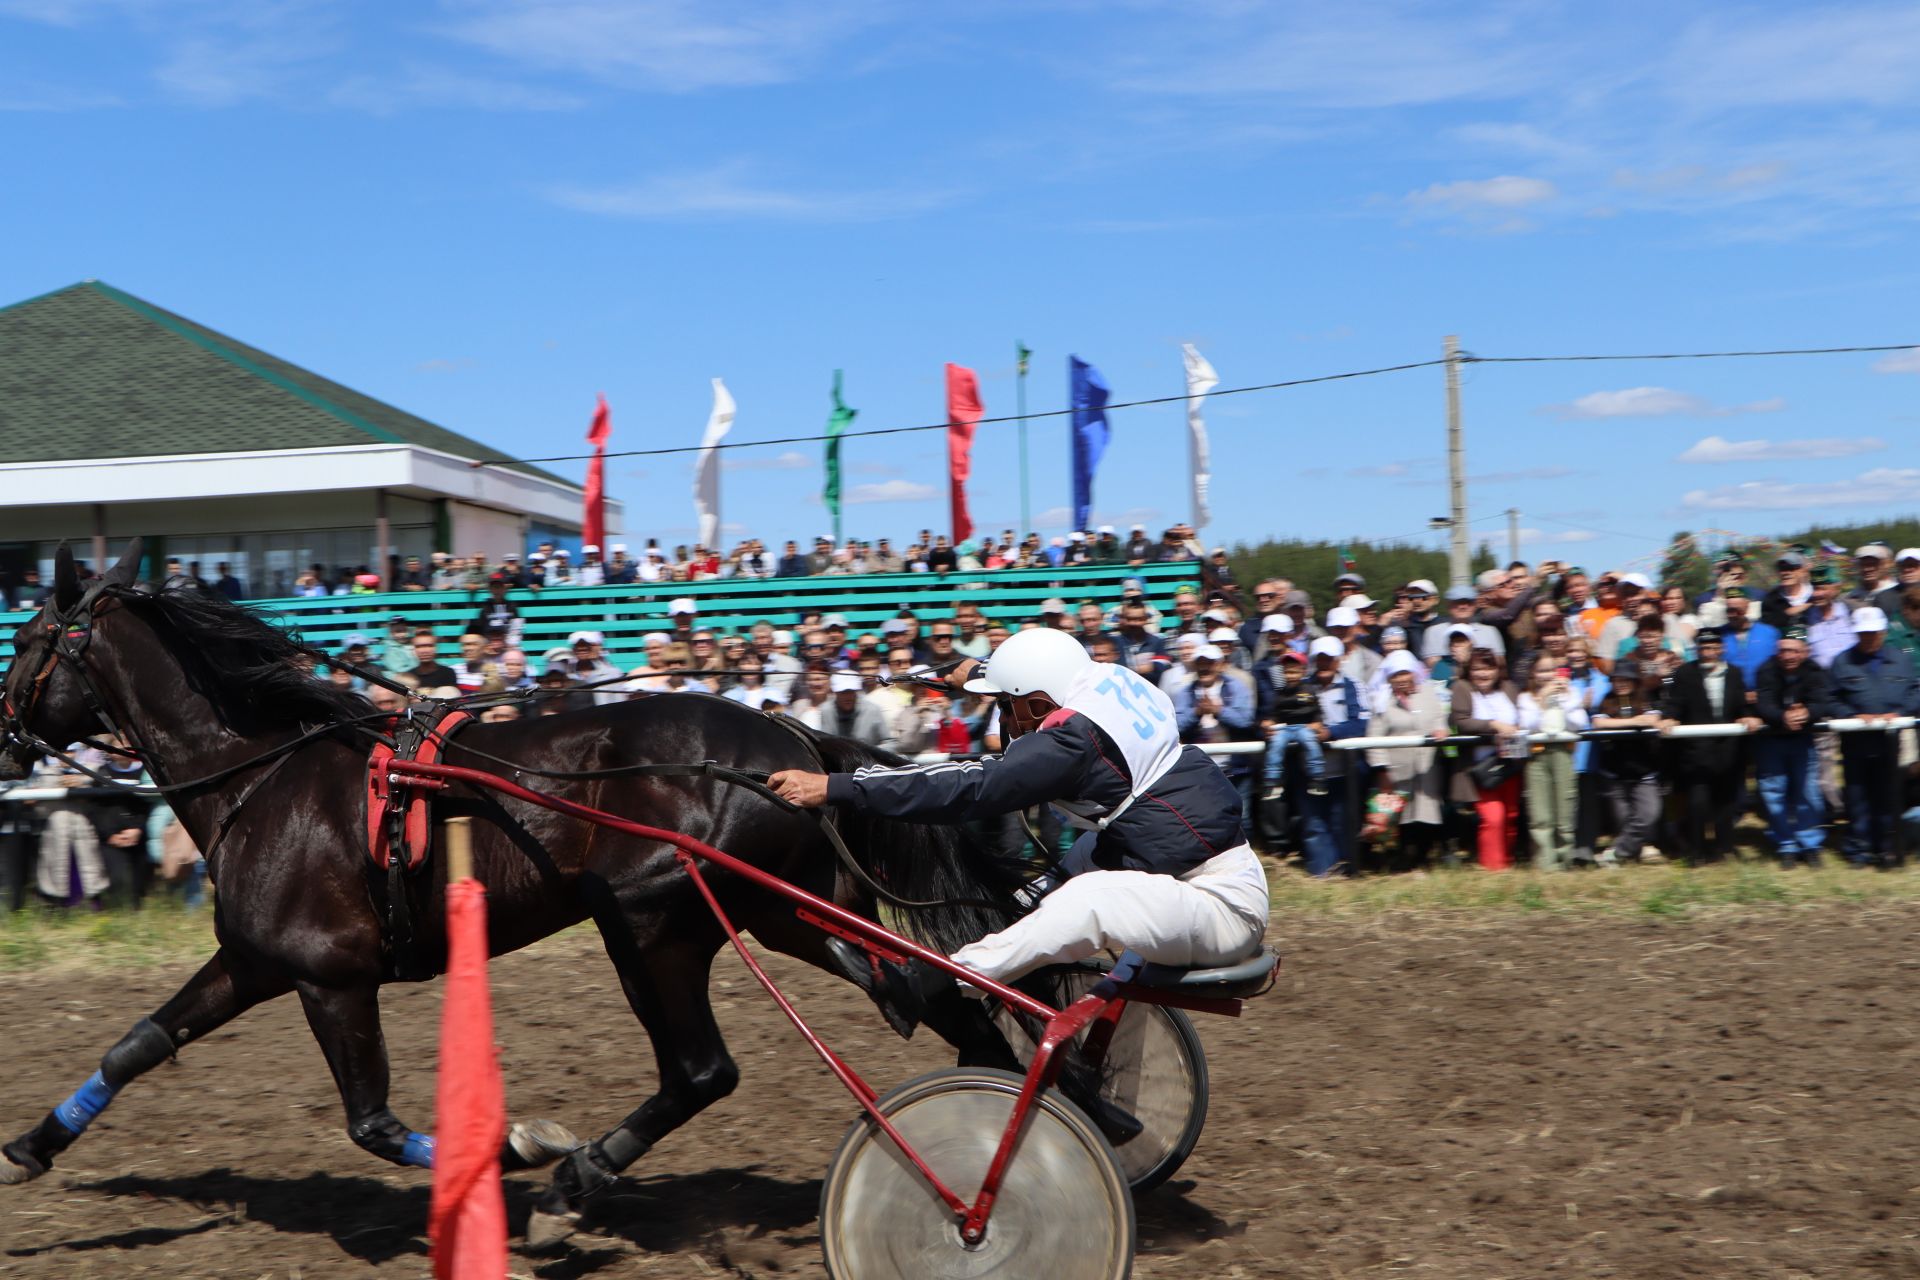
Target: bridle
70,632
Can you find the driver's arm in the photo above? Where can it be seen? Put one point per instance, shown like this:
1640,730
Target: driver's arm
1047,764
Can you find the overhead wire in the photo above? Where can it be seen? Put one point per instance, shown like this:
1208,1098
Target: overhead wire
1465,358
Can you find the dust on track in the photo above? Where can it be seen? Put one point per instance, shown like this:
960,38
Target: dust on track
1520,1096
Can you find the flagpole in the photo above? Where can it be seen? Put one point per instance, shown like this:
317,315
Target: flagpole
1020,382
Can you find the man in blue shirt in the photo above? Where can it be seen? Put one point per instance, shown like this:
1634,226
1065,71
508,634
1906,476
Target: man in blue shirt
1872,681
1344,714
1749,644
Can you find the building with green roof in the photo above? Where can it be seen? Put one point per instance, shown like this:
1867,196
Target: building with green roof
119,418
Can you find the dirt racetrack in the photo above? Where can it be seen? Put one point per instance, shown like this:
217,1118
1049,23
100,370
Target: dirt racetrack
1522,1096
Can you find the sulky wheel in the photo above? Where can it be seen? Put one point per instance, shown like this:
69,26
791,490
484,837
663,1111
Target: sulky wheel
1154,1068
1063,1212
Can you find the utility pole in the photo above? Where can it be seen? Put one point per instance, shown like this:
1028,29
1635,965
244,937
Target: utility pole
1020,358
1513,534
1460,558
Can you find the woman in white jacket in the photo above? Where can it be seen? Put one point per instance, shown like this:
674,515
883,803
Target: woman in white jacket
1551,705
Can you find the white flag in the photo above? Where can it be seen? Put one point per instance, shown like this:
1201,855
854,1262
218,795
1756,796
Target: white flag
706,472
1200,379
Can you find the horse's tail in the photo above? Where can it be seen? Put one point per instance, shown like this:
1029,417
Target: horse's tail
923,862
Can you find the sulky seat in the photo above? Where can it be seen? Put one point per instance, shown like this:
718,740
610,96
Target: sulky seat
1249,977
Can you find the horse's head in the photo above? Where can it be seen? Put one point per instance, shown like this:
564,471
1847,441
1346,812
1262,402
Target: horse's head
46,699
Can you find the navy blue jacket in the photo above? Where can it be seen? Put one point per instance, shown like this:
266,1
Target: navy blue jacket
1190,815
1883,684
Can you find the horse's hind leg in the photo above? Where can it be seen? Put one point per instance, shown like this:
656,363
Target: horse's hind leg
667,987
225,987
346,1023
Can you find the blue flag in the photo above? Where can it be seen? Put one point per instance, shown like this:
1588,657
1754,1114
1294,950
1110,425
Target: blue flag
1090,431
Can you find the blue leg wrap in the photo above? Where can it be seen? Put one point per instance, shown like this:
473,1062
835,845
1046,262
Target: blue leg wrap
88,1101
417,1150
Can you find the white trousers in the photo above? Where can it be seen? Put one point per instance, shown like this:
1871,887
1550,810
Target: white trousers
1215,914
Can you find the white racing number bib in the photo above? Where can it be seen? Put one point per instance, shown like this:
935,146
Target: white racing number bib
1140,720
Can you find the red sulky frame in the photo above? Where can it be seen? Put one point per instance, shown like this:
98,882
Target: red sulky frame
1103,1007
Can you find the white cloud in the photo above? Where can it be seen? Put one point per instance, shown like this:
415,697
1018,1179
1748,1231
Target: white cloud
1654,402
1883,486
790,460
674,46
1907,361
728,191
1719,449
890,491
1505,192
1833,55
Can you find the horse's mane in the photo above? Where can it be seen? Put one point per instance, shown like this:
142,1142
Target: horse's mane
243,660
924,862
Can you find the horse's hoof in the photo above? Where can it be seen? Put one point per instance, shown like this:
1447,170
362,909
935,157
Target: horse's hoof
12,1174
550,1230
540,1142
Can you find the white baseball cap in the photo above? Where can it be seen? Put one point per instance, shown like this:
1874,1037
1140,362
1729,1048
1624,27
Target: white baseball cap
1357,603
1328,647
1869,618
619,548
1077,536
684,604
1279,622
1208,651
584,637
561,553
846,682
832,621
1216,615
1423,585
654,639
1223,635
1053,604
782,639
591,549
893,625
1878,550
1639,580
1399,660
1105,528
1343,616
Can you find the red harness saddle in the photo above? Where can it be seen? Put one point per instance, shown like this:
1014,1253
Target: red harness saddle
400,808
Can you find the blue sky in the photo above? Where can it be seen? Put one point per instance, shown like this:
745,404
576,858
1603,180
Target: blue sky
485,211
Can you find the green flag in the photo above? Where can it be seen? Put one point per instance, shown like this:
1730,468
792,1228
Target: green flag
1020,356
836,423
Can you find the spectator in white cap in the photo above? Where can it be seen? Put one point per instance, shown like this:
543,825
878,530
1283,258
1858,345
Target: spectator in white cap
560,568
1213,708
1906,573
588,664
592,572
1872,572
850,713
1233,657
1872,681
1343,714
1408,706
1357,662
1106,548
1276,635
681,613
1416,608
1269,600
621,569
1053,613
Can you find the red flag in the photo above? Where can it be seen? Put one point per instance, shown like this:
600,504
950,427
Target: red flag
593,525
468,1227
963,411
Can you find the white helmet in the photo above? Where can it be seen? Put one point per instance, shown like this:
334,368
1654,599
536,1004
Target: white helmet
1040,660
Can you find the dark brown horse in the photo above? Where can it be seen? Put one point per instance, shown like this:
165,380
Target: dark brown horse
205,689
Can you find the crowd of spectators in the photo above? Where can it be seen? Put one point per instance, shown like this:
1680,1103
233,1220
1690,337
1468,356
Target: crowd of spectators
1521,652
550,565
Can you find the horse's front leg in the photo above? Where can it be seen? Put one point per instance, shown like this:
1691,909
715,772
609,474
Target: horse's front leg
346,1023
225,987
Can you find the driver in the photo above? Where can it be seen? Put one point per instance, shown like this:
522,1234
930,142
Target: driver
1163,867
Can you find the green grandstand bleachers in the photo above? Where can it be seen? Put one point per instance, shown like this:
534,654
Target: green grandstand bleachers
626,614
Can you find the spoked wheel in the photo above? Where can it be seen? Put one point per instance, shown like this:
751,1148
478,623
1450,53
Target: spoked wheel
1063,1211
1154,1068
